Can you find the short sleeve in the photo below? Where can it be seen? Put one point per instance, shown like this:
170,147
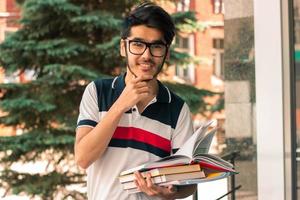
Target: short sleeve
184,128
88,109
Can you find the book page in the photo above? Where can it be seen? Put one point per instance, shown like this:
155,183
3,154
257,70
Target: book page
212,177
204,127
188,147
163,162
203,145
213,162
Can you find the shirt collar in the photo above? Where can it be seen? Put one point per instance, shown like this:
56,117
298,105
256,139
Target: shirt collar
119,83
163,95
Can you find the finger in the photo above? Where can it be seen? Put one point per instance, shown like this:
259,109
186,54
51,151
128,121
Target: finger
139,178
143,78
146,77
148,180
141,184
143,90
137,175
137,184
141,84
138,91
151,187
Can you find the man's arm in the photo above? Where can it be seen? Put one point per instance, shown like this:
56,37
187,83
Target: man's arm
92,142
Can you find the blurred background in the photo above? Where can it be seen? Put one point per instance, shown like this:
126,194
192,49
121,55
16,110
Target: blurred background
51,49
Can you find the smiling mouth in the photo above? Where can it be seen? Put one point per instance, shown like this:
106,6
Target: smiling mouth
145,67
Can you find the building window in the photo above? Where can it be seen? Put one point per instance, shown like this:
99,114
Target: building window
218,57
183,5
218,6
218,43
218,63
182,43
182,71
186,72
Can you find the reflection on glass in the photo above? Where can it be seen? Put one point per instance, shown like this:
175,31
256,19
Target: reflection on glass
239,75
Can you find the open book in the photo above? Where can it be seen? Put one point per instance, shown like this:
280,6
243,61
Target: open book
194,150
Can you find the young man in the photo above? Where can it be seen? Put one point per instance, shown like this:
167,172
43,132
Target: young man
133,119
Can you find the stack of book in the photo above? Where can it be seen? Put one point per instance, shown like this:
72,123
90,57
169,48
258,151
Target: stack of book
191,164
164,175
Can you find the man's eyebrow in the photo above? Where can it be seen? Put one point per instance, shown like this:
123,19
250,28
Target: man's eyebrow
153,41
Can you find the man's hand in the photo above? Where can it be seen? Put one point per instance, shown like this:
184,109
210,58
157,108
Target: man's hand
135,90
146,186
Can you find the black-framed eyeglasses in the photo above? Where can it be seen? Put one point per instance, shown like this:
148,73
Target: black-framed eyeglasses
138,47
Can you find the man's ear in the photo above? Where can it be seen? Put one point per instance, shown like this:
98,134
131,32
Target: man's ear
122,48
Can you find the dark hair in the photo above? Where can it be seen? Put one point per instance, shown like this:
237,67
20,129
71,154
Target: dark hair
151,15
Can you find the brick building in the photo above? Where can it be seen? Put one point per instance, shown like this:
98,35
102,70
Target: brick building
9,13
207,44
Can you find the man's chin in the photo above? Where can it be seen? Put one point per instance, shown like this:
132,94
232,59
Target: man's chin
140,73
145,73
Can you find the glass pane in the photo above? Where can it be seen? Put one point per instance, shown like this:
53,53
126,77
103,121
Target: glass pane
226,51
239,75
297,78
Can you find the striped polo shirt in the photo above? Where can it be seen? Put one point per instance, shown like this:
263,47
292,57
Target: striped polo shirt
157,132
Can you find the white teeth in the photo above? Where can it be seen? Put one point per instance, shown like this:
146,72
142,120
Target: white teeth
145,65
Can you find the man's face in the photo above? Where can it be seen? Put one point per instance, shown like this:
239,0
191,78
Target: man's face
145,49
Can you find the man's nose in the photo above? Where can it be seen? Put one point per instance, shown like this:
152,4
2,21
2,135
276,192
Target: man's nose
147,53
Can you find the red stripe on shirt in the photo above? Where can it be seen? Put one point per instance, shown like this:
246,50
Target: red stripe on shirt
131,133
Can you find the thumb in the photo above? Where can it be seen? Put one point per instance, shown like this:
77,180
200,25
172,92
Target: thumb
172,188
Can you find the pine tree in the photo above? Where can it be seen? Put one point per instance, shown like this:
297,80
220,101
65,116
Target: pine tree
67,43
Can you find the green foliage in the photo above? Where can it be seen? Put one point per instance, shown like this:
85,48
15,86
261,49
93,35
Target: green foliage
42,185
179,58
23,148
186,22
94,20
219,105
67,44
192,96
